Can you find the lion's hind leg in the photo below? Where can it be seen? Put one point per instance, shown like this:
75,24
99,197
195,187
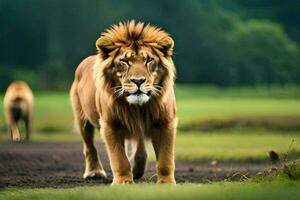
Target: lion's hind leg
12,125
138,158
93,166
14,130
28,121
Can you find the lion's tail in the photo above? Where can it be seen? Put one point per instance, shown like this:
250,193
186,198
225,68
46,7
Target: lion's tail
74,102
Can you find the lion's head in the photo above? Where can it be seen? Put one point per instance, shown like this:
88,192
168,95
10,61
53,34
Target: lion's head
135,61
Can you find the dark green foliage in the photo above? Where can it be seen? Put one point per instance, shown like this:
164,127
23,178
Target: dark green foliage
221,42
263,53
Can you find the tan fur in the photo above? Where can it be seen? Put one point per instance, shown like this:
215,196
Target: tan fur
127,90
18,105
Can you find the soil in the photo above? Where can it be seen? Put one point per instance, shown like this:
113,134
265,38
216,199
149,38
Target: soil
61,165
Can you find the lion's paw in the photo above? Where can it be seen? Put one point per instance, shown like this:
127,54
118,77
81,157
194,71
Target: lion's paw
16,139
167,180
122,181
94,174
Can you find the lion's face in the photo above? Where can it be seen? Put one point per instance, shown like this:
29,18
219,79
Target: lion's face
137,75
137,61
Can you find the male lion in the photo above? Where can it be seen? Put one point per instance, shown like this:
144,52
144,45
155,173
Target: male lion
18,105
127,90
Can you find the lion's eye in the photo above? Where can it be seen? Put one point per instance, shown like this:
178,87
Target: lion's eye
149,60
124,62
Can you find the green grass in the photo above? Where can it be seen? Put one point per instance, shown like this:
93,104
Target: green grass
224,190
234,145
193,110
273,91
195,103
288,171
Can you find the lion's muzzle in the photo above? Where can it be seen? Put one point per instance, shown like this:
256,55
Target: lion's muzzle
139,95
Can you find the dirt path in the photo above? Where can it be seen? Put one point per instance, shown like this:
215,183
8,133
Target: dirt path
37,165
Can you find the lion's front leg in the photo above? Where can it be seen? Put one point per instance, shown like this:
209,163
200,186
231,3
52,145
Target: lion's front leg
119,162
163,139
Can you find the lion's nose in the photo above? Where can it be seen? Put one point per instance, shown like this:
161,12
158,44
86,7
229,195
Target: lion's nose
138,81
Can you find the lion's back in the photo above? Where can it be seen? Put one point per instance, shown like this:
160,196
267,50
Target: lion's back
18,91
83,90
85,68
18,99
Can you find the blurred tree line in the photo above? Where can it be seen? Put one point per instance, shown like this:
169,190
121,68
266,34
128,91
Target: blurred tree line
221,42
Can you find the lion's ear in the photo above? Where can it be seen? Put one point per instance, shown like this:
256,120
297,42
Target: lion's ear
167,45
104,46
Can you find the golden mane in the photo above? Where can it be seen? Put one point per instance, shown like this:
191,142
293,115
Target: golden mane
137,34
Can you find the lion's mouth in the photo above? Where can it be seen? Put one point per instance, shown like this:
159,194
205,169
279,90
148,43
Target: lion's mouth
138,97
137,93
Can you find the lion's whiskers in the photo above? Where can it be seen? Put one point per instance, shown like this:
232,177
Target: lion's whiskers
116,87
118,90
157,86
155,89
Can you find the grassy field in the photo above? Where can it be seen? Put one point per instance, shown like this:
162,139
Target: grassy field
201,103
53,112
278,105
224,190
235,146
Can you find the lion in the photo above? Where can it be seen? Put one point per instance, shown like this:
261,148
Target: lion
18,105
127,89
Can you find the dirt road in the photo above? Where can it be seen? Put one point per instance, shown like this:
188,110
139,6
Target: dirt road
38,165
